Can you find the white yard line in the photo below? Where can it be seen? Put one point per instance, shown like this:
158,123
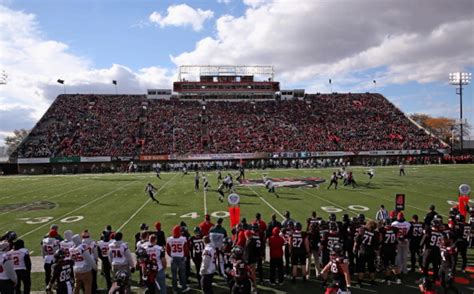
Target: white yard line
330,202
407,205
144,204
53,197
266,202
205,200
74,210
31,191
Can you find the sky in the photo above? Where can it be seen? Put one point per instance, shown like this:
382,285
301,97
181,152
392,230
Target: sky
409,47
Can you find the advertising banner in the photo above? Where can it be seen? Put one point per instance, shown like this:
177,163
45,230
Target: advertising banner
96,159
33,160
154,157
65,159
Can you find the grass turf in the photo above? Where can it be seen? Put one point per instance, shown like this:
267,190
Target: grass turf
94,200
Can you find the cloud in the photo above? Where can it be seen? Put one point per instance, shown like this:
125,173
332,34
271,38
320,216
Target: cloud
34,63
224,1
418,41
182,15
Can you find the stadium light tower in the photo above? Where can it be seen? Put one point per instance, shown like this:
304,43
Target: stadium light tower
3,78
460,79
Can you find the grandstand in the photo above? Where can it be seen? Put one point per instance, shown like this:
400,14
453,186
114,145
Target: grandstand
222,126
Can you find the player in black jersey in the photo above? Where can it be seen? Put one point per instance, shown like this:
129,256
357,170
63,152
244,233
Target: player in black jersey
414,235
63,275
334,179
157,170
314,245
338,266
430,244
329,240
240,274
299,249
462,232
448,265
388,251
196,246
151,190
366,243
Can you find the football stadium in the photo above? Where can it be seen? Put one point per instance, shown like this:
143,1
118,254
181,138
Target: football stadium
230,180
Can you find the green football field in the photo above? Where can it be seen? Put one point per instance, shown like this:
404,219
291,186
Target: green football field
30,204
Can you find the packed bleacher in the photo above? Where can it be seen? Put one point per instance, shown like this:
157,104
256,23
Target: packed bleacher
341,122
109,125
87,125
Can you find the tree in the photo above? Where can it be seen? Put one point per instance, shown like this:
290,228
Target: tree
442,127
14,141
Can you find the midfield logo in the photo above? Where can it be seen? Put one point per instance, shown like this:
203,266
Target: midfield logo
311,182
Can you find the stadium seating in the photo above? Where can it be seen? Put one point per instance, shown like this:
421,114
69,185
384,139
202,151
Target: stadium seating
87,125
93,125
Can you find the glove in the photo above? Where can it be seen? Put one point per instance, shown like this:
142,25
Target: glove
132,270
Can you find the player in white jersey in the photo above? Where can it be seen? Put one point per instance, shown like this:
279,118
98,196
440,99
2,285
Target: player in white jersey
177,249
143,242
403,246
67,244
49,245
270,186
103,252
156,254
91,246
119,255
205,182
8,277
20,257
208,265
84,263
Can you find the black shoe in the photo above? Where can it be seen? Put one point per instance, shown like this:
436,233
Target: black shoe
373,283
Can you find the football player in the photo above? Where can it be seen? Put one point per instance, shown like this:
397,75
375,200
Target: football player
334,179
462,231
431,243
49,245
22,266
414,235
403,243
103,252
388,252
8,278
338,266
177,249
196,246
365,245
63,274
448,265
151,190
299,250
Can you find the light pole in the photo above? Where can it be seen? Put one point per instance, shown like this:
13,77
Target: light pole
460,79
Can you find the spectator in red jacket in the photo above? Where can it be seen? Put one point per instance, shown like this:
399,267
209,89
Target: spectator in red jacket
276,243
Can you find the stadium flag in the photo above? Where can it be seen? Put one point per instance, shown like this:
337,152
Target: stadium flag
464,191
60,81
114,82
234,209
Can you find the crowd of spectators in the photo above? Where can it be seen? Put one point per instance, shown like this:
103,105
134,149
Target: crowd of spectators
86,125
114,125
336,122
